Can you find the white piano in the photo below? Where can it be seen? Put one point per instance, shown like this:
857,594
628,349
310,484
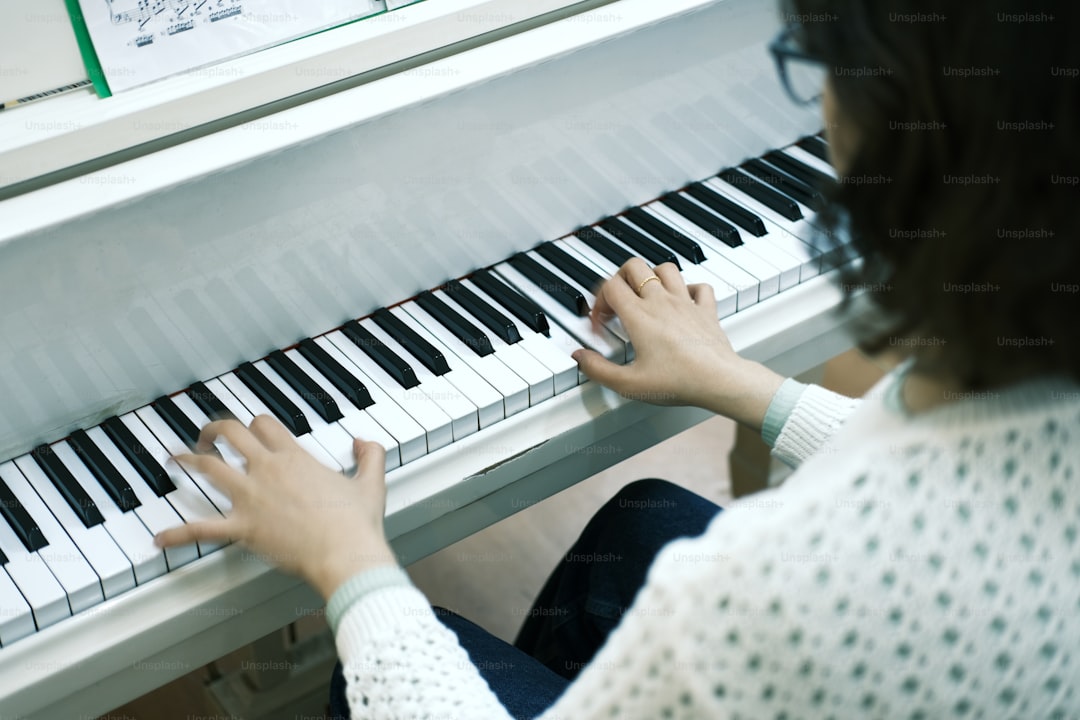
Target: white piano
164,253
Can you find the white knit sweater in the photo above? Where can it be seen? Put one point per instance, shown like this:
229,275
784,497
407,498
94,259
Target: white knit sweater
919,566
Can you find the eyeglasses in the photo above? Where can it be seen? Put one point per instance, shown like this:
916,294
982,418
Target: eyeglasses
802,75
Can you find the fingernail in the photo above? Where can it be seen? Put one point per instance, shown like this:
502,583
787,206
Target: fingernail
157,541
576,355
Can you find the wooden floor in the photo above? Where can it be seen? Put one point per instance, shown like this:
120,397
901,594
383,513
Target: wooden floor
492,576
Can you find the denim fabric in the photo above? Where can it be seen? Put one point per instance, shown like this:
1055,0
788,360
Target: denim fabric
598,578
582,601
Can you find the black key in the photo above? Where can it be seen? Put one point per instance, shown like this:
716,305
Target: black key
283,408
21,523
784,183
798,169
3,558
424,351
734,212
387,359
615,253
582,275
205,399
522,307
778,202
139,457
816,147
103,471
569,297
462,329
668,235
640,243
722,230
495,321
67,486
349,385
177,421
319,400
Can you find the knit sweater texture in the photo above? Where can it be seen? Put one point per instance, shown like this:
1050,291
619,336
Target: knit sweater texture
913,566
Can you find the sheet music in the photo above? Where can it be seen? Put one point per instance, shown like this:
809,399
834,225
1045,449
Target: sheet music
138,41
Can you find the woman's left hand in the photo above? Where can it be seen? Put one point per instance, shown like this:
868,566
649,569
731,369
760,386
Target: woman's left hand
291,509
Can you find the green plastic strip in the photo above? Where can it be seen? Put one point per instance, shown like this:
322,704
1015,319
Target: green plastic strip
86,49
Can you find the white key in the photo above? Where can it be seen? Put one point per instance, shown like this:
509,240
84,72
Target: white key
464,418
125,528
229,454
614,325
767,274
784,239
245,405
16,618
726,296
357,423
436,423
580,328
155,512
803,229
747,287
808,158
693,273
332,437
94,543
538,379
547,350
776,255
176,446
495,390
187,499
67,564
410,436
45,596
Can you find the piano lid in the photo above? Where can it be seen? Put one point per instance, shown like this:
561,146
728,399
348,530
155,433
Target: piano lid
76,133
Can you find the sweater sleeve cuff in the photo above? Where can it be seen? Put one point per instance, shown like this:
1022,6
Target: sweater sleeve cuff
783,402
381,616
359,586
817,415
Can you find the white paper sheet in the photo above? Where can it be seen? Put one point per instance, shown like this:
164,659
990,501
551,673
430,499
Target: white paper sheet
138,41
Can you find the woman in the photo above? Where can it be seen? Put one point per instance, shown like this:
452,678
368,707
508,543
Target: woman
922,561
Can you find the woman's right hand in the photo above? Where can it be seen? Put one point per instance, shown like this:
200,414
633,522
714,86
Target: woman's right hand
682,356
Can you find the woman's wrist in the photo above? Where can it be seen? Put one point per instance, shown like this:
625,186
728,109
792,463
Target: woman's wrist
744,392
336,567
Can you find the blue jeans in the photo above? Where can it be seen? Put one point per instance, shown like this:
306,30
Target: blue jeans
582,601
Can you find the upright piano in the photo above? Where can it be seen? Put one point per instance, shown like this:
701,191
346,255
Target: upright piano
389,229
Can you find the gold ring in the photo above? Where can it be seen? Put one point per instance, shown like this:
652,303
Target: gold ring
645,282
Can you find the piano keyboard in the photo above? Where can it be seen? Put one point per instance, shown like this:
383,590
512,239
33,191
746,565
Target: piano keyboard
77,517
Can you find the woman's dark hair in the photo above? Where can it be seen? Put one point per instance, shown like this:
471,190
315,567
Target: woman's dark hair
961,191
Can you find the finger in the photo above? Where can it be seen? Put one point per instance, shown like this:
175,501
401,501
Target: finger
271,433
602,311
702,294
370,458
671,277
215,470
615,298
602,370
635,270
234,431
205,530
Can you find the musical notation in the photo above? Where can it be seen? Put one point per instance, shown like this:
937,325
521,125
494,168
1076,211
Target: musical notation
168,17
138,41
